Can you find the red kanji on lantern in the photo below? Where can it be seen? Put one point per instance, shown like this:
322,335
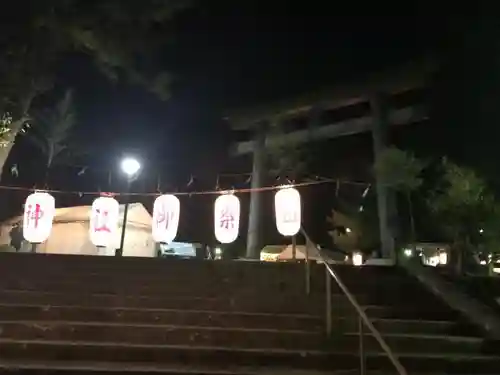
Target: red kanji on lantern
104,217
102,221
164,218
166,211
226,218
39,210
290,217
33,215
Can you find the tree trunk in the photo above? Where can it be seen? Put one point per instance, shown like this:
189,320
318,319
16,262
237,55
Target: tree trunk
412,223
20,118
460,256
9,140
50,159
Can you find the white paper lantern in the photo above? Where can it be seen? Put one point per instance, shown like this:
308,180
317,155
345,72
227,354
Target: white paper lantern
166,213
227,218
104,217
39,211
288,211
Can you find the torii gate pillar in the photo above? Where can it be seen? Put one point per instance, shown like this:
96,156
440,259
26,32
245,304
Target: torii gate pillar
385,196
254,241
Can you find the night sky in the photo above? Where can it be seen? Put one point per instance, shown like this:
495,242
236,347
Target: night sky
237,54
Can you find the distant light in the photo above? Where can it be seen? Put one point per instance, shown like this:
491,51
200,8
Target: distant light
365,192
130,166
443,258
483,262
408,252
348,230
433,261
481,231
357,259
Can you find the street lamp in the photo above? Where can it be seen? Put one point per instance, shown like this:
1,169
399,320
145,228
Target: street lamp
130,167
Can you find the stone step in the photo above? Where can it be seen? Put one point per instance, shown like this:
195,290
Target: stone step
277,304
274,303
394,320
412,343
116,352
114,287
408,326
78,263
198,287
213,291
48,368
407,312
61,367
50,265
160,316
278,359
182,274
444,363
156,334
14,271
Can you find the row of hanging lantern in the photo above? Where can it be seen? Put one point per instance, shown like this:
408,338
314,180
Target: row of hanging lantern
104,218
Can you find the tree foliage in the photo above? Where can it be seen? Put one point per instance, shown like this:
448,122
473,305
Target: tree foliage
285,160
363,232
123,38
399,170
402,172
467,213
52,128
462,202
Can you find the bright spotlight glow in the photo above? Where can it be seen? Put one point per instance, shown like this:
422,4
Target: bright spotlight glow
348,230
408,252
357,259
130,166
481,231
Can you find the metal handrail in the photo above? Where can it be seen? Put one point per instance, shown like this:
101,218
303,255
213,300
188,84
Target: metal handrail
363,318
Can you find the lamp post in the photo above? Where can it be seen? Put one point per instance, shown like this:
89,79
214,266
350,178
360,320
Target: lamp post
130,167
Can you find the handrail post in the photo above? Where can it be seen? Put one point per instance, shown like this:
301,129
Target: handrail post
328,307
362,369
363,318
308,268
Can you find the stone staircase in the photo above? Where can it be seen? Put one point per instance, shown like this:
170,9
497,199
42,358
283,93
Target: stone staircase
105,315
427,336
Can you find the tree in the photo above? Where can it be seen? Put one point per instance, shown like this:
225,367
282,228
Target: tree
401,171
52,130
123,38
285,161
465,209
354,230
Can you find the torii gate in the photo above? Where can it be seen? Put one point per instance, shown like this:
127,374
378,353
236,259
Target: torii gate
376,91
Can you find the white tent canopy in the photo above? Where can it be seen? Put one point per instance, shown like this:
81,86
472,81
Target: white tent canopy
300,253
70,232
